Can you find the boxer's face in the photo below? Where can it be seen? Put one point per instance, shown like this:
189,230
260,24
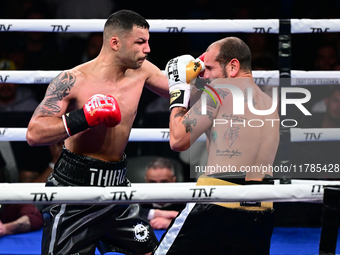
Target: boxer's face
213,69
135,47
333,106
159,175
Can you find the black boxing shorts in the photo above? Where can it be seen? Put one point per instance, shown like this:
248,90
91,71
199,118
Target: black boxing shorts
219,229
80,229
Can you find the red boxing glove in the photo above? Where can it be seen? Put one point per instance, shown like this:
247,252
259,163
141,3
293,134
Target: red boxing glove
98,110
102,110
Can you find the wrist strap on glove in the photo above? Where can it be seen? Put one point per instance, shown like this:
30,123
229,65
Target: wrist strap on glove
180,96
75,122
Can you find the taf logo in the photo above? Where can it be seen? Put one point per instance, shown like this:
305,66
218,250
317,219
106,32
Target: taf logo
59,28
202,192
319,30
262,30
4,28
175,29
43,196
3,79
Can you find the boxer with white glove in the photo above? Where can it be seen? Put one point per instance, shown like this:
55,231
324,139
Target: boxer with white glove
181,72
98,110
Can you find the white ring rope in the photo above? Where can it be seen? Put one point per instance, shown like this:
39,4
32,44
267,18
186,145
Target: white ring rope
161,25
183,184
314,134
146,193
298,78
175,26
162,134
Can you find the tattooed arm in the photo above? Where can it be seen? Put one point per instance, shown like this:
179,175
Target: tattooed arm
46,126
187,126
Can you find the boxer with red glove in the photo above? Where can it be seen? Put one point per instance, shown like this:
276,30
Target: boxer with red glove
98,110
181,72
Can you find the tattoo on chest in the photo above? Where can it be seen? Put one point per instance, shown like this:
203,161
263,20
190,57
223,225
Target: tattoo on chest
228,153
58,89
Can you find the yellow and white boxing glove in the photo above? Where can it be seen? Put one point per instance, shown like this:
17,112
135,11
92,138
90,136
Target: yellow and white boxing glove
181,72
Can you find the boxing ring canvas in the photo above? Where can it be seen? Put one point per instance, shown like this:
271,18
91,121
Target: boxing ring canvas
285,241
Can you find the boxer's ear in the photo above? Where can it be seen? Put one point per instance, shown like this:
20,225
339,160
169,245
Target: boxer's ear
115,43
233,67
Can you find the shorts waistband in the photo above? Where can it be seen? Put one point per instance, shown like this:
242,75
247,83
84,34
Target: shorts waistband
207,180
79,170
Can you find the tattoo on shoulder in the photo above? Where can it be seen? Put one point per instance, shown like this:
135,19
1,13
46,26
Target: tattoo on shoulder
222,93
58,89
246,97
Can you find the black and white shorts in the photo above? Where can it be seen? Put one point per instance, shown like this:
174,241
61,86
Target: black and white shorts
80,229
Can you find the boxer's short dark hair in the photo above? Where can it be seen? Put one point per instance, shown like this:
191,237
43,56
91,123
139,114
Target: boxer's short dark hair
125,20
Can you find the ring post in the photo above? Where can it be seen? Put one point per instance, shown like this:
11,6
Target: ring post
330,220
284,156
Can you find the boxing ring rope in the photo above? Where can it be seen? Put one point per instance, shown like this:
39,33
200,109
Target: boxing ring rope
185,25
162,134
298,78
146,193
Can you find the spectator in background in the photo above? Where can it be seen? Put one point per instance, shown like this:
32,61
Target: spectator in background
42,49
259,46
320,152
15,98
18,218
331,117
93,47
160,215
78,51
326,57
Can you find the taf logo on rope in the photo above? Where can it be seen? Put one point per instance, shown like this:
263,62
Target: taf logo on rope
175,29
4,28
122,195
3,79
43,196
202,192
59,28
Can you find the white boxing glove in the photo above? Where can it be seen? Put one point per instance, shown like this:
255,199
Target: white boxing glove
181,72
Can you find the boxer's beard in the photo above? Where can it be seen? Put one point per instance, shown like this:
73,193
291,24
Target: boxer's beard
225,75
